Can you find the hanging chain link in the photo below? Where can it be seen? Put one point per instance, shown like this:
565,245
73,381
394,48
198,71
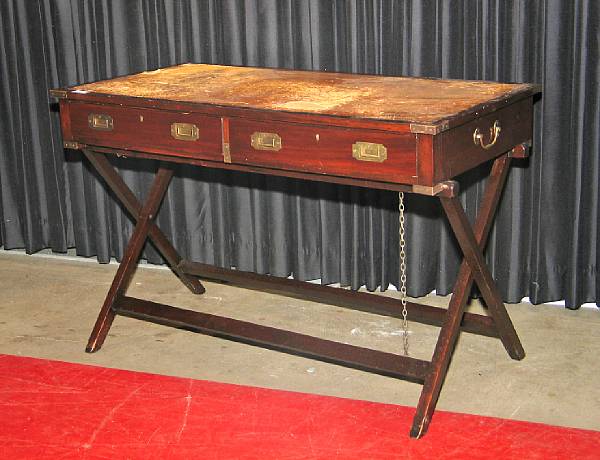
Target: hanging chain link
403,294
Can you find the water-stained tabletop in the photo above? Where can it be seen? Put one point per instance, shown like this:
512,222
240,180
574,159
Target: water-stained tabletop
414,100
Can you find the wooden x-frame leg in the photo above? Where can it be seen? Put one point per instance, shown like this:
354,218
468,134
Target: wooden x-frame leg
472,241
145,227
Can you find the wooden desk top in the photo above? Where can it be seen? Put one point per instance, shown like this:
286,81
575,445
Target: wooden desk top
375,131
402,99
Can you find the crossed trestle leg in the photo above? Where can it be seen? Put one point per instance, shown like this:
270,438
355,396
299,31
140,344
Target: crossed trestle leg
145,227
472,241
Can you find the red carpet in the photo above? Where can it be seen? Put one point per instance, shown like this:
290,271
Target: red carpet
57,410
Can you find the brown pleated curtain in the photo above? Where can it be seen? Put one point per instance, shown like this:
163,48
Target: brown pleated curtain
545,241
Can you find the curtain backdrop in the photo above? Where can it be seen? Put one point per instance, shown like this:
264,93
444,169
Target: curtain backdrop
545,240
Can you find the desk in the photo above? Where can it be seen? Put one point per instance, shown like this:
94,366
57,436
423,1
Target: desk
403,134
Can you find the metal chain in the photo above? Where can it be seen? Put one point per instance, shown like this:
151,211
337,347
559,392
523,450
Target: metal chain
403,294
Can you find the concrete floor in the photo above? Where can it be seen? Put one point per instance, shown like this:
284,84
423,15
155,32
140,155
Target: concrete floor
48,307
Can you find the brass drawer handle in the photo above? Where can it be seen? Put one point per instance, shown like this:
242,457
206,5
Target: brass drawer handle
368,151
265,141
494,135
100,121
185,131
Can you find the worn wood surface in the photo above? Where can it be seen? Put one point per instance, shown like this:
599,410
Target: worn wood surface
412,100
430,130
426,125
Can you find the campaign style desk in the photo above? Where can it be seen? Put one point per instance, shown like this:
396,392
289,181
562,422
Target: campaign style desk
402,134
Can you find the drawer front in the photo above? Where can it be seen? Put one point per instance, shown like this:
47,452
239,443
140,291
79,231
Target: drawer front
466,146
356,153
147,130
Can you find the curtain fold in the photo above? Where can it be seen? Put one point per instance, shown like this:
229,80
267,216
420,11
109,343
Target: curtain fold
544,243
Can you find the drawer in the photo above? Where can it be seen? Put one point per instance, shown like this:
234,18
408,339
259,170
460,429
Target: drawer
466,146
356,153
147,130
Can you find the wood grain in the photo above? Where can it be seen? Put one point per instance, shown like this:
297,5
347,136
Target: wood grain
146,129
426,126
456,152
411,100
321,150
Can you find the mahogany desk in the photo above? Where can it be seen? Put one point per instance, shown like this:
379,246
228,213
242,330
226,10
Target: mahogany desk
402,134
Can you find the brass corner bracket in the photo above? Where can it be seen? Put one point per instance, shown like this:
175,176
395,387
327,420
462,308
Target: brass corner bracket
58,93
422,128
73,145
447,189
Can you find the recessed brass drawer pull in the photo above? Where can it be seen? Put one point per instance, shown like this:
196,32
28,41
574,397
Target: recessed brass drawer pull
266,141
185,131
494,135
368,151
100,121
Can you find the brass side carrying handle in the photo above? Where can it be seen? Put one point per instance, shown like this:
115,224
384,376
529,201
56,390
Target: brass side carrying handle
368,151
266,141
185,131
494,135
100,121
